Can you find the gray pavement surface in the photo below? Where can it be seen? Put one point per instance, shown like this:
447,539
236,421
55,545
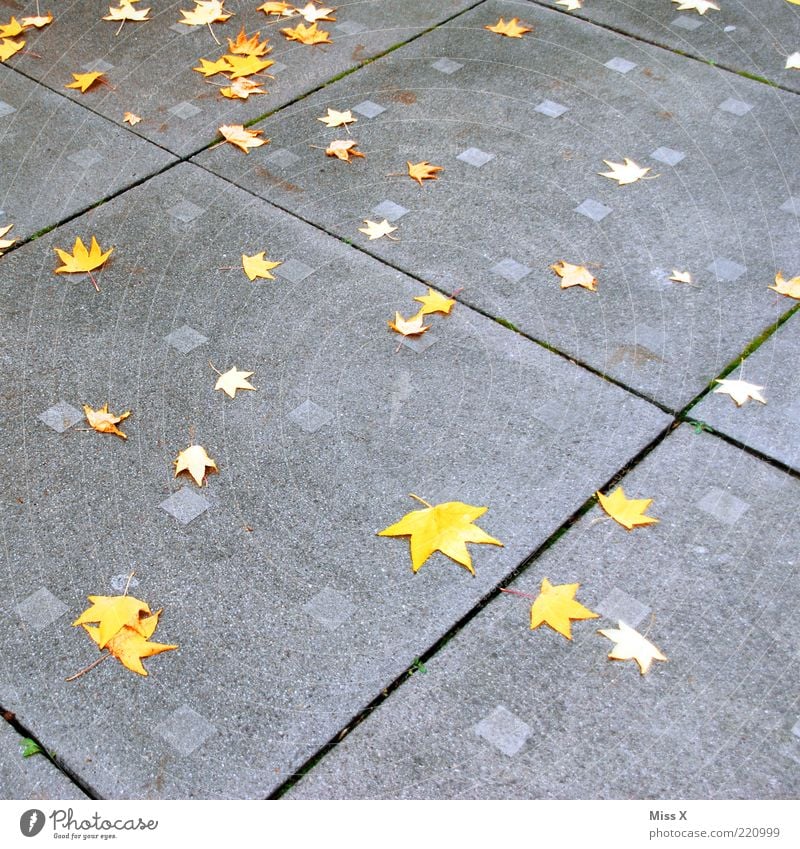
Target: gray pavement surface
294,621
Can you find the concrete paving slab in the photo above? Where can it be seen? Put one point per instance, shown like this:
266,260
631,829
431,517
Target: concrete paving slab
290,613
505,712
150,64
549,111
743,36
59,158
772,427
33,777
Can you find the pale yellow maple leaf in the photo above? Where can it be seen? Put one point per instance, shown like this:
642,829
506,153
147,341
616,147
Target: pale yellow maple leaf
423,171
280,9
413,326
38,21
570,5
241,89
307,35
82,259
195,461
205,12
793,61
629,512
237,135
790,288
631,645
83,82
256,266
131,118
314,13
337,119
8,47
435,302
343,149
680,276
234,379
5,243
740,390
376,229
512,29
700,6
104,422
126,12
574,275
624,173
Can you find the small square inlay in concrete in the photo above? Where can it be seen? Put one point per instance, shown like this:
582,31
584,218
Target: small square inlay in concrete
85,158
294,270
185,339
593,209
186,211
329,608
369,109
98,65
726,269
185,505
41,608
667,155
622,66
510,269
729,28
119,583
723,505
281,158
349,27
61,416
181,29
6,109
551,109
389,210
310,416
503,730
447,66
735,107
619,605
792,205
185,729
796,728
475,156
686,22
418,344
184,110
277,68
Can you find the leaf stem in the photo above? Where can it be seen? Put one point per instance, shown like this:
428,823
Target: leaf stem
212,33
215,368
518,592
89,667
421,500
128,582
94,282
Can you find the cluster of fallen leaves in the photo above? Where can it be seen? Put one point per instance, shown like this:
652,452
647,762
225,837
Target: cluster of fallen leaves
10,43
240,65
432,302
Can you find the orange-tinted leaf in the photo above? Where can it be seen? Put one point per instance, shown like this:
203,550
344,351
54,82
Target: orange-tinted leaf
307,35
104,422
244,139
423,171
512,29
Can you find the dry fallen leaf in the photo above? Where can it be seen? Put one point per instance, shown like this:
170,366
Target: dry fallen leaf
38,21
8,47
244,139
701,6
242,89
244,66
104,422
574,275
629,512
114,612
234,379
256,266
85,81
128,646
131,118
626,173
413,326
11,29
80,259
423,171
337,119
444,527
248,45
314,13
204,12
195,461
790,287
374,229
631,645
680,276
512,29
569,5
556,606
126,12
307,35
343,149
793,61
208,68
5,243
435,302
280,9
740,390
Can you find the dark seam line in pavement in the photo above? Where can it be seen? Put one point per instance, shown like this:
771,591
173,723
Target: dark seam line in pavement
674,50
454,629
12,720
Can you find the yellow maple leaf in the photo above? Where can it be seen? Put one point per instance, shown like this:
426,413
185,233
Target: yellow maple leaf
700,6
248,45
556,606
790,288
337,119
241,89
624,173
343,149
314,13
631,645
740,390
85,81
445,527
12,28
195,461
375,229
574,275
280,9
244,66
131,118
104,422
129,647
81,259
237,135
423,171
512,29
114,612
435,302
307,35
413,326
5,243
256,266
205,12
208,69
680,276
38,21
234,379
8,47
629,512
126,12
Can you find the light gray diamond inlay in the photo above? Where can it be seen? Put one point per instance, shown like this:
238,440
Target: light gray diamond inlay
668,156
184,110
687,22
792,205
447,66
619,605
622,66
729,28
593,209
723,505
418,344
277,68
503,730
185,211
6,109
329,608
281,158
121,581
185,505
61,416
551,109
726,269
389,210
475,156
98,65
310,416
510,269
185,729
369,109
39,609
735,107
85,158
181,29
293,270
796,728
350,27
185,339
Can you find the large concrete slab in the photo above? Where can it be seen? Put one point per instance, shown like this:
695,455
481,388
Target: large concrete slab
33,777
752,38
150,64
505,712
290,613
520,188
772,427
59,158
